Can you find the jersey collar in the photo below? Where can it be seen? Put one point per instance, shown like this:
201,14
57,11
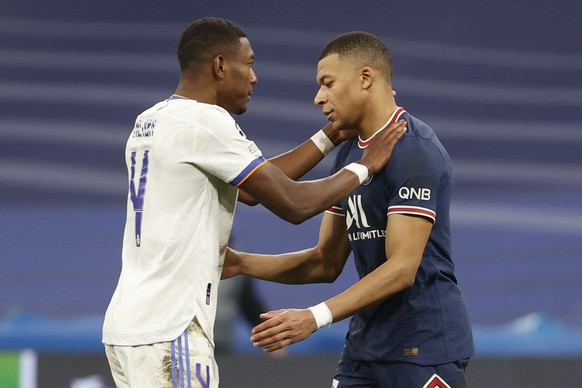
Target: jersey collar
393,118
177,97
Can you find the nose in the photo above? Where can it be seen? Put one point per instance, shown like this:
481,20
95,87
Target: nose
253,77
319,100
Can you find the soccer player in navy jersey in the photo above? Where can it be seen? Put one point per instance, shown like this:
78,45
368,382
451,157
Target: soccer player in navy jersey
409,326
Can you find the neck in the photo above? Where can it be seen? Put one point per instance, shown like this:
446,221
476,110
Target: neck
377,119
196,89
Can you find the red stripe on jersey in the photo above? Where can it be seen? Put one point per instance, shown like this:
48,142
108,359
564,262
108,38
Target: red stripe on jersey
395,116
335,210
413,210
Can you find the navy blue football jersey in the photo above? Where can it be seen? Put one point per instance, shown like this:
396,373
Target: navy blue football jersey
428,323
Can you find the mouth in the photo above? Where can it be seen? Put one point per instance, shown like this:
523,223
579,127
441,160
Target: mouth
328,114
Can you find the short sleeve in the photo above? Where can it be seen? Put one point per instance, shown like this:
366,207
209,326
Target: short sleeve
222,149
415,174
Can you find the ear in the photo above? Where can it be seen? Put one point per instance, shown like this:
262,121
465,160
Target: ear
366,77
218,66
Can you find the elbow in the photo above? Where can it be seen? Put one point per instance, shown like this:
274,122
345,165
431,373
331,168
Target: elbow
247,199
301,219
292,218
329,272
408,281
249,203
331,275
296,220
296,215
406,278
320,269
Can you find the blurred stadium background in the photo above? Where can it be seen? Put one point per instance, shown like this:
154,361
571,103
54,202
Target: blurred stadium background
501,83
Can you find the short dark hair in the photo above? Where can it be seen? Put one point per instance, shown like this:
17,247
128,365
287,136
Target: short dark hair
363,47
207,38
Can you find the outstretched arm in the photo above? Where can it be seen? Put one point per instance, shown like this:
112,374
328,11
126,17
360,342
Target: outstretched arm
300,160
298,201
405,243
322,263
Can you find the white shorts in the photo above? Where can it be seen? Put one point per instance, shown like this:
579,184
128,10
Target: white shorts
187,362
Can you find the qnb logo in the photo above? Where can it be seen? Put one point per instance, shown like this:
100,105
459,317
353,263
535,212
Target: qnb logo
421,193
355,213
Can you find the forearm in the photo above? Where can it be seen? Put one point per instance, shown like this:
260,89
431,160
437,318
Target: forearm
406,239
284,327
298,161
387,280
301,267
309,198
296,202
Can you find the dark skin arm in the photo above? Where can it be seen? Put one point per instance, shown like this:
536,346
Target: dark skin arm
320,264
300,160
296,202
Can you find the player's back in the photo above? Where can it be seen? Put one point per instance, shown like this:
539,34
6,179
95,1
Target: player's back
179,218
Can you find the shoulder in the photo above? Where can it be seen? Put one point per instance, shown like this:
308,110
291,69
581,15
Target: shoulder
420,139
204,118
184,107
419,152
417,127
200,110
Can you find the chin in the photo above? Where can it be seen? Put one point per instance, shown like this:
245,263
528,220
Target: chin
242,108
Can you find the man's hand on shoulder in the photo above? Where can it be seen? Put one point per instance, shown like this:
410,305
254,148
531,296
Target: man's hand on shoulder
378,152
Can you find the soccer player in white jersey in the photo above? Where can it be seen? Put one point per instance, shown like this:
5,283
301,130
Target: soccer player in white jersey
188,162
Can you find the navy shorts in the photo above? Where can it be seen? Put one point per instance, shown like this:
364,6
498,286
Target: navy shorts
364,374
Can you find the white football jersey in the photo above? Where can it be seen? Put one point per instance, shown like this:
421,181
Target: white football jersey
184,161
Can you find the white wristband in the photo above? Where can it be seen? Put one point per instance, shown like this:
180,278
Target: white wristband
322,142
322,315
359,169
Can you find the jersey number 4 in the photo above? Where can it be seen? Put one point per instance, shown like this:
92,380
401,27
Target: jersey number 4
137,196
